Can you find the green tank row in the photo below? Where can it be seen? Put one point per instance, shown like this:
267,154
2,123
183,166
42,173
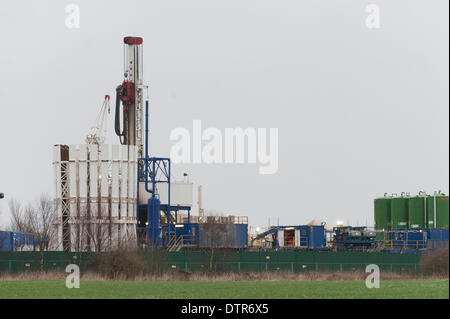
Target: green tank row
421,211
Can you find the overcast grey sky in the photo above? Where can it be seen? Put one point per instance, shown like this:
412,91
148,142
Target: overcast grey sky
360,111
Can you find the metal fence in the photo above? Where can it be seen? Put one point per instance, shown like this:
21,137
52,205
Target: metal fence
228,262
236,267
296,267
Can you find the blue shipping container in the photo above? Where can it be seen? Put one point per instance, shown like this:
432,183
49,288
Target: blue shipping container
302,237
13,241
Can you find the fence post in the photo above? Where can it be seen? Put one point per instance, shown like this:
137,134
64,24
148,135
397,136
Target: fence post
317,267
340,267
10,265
292,266
239,267
266,266
185,266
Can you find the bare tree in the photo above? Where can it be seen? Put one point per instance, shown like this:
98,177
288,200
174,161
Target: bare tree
94,231
99,236
89,236
33,219
19,220
215,235
44,213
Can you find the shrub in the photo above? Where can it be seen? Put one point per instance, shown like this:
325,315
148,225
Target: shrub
435,262
120,264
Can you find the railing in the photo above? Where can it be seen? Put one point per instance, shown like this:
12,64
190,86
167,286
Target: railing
241,220
295,267
236,266
189,241
405,244
182,218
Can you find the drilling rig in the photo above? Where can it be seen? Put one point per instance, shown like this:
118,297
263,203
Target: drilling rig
109,195
153,173
163,212
130,95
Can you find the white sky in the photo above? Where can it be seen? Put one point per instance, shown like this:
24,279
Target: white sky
360,112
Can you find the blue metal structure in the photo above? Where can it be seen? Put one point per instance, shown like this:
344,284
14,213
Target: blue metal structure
14,241
152,171
395,241
309,237
222,235
437,237
241,235
153,234
418,239
409,239
316,236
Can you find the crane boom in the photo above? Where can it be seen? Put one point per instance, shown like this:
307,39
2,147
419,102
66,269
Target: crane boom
97,134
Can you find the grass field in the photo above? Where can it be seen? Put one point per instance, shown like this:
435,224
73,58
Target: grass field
426,288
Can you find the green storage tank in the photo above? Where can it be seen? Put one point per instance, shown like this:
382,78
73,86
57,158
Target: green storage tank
417,211
442,211
399,212
382,213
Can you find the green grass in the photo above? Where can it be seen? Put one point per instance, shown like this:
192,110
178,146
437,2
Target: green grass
429,288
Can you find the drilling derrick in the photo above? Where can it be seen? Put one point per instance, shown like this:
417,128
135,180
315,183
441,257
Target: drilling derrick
130,95
110,196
